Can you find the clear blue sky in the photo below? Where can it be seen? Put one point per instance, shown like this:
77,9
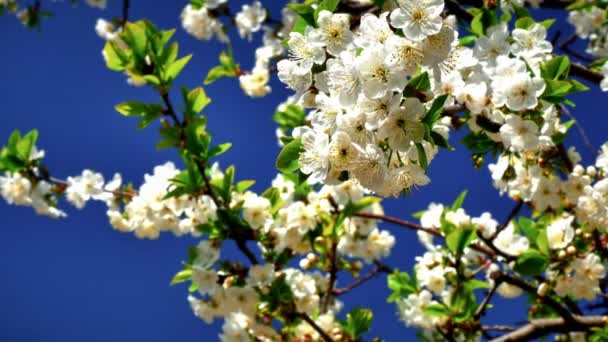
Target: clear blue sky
77,279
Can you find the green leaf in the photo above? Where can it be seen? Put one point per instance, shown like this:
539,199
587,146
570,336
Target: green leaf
480,143
524,23
435,112
555,69
547,23
176,67
467,40
196,101
243,185
197,4
290,117
531,263
528,227
219,149
440,141
542,242
287,161
182,276
422,160
135,37
300,25
402,285
136,108
116,59
436,310
327,5
273,195
218,72
459,239
358,322
459,200
379,3
305,12
419,83
26,144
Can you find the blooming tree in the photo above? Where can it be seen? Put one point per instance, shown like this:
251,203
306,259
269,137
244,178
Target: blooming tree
378,86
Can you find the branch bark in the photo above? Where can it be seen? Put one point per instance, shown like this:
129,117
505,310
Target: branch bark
540,327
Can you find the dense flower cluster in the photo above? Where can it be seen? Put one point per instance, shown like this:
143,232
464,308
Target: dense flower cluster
362,125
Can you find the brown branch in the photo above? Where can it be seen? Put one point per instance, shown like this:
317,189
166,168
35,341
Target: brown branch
125,11
362,280
581,71
333,274
581,130
433,231
541,327
314,325
547,300
497,328
481,310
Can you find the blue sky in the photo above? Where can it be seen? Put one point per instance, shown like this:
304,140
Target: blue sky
77,279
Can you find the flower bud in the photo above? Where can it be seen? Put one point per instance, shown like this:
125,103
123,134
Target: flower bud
543,289
571,250
591,171
562,254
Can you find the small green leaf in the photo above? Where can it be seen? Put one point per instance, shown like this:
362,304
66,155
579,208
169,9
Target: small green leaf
218,72
457,204
219,149
436,310
402,285
176,67
358,322
287,161
243,185
422,159
524,23
557,68
181,276
197,100
419,83
326,5
531,264
435,112
459,239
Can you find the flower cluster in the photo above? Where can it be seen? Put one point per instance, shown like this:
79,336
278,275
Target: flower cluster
590,20
362,126
201,23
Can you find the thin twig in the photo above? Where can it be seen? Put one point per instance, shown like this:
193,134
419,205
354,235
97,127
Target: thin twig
481,310
125,11
314,325
362,280
433,231
581,130
540,327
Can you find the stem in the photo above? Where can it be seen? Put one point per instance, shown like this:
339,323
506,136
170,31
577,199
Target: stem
362,280
580,129
333,275
170,111
481,310
540,327
314,325
433,231
125,11
552,303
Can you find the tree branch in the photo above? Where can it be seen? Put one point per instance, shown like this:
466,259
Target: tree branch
541,327
433,231
125,11
314,325
362,280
